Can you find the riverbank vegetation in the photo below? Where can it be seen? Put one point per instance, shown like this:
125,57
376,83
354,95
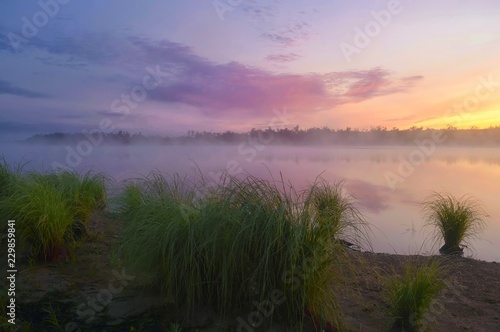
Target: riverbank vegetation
256,253
377,135
455,220
51,210
245,241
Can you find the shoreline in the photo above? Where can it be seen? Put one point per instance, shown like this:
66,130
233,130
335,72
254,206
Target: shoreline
469,302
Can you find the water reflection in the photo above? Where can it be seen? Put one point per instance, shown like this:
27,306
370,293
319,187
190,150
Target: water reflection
372,197
395,214
450,156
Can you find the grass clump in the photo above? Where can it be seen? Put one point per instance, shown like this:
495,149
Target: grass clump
86,193
236,245
43,217
411,293
9,176
456,220
333,209
52,210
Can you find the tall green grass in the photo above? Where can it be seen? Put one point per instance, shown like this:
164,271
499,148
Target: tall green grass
51,210
332,208
456,220
86,193
9,175
244,239
43,218
411,293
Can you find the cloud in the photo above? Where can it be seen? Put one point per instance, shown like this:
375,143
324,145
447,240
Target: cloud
279,39
74,51
278,25
365,84
174,55
65,63
282,58
412,78
95,47
7,88
405,83
79,50
288,36
371,84
221,89
259,13
215,89
284,40
236,88
117,115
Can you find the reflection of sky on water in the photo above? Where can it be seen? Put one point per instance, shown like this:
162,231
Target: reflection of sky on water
395,214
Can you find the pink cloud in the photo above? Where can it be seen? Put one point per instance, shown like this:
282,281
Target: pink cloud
233,87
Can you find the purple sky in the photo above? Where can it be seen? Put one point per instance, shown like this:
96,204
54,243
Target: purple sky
65,65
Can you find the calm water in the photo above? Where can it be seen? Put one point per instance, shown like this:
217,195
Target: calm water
391,206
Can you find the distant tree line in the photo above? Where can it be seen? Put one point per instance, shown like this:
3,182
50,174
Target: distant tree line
295,136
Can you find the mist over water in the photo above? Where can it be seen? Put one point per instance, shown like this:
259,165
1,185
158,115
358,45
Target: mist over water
391,206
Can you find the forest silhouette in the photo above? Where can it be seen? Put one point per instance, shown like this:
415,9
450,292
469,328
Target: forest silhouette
378,135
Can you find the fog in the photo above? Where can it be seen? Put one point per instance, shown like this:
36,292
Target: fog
375,136
388,181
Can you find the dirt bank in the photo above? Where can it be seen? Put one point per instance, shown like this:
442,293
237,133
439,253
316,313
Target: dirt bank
69,295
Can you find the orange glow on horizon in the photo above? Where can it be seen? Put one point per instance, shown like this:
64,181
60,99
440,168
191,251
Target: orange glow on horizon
481,120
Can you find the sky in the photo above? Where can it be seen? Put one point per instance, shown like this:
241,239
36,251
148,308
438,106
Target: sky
166,67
